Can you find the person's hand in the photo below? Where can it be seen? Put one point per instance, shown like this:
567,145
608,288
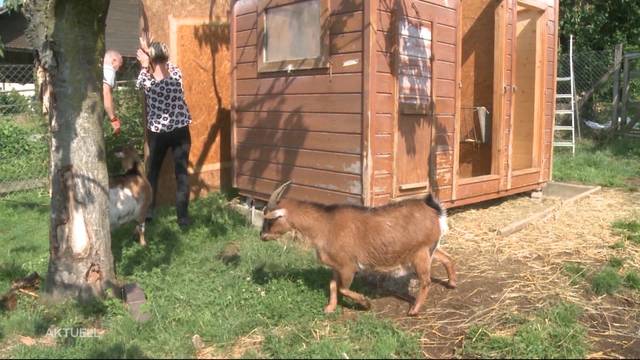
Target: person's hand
144,42
143,58
115,124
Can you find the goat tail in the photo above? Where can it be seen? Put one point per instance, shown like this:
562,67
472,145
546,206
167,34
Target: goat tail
433,203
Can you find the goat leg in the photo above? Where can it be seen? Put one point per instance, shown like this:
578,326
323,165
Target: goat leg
346,277
140,231
333,294
446,260
422,266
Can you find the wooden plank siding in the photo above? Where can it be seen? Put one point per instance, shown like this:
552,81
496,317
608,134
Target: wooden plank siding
442,16
336,132
306,125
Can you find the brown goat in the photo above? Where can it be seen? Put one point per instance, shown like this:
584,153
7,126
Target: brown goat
350,238
130,193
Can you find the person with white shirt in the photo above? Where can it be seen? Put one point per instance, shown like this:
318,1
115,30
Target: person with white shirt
111,65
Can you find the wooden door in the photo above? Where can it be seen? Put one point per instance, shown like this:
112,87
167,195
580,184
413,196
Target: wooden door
527,91
415,107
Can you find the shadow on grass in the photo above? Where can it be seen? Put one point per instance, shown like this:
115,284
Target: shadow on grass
373,286
164,243
213,214
211,218
39,207
11,271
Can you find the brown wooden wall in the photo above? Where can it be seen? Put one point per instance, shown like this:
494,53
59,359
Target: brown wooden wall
197,34
306,126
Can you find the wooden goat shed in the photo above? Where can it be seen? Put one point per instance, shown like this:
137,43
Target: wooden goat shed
372,101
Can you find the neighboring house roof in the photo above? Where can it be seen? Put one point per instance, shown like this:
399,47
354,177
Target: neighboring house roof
122,26
121,33
12,30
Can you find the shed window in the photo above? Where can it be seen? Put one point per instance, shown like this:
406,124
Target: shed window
293,36
414,67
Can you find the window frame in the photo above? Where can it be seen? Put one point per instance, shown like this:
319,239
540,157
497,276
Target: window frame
321,61
410,108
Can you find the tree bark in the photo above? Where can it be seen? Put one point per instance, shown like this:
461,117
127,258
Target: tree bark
69,38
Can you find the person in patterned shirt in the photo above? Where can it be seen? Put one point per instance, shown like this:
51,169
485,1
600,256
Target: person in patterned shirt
168,120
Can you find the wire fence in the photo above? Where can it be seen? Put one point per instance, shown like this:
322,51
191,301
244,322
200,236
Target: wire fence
593,83
595,78
24,135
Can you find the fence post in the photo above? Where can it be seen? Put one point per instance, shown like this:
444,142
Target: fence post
616,86
625,92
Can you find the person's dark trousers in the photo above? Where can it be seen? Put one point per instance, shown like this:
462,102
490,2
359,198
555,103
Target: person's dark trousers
179,141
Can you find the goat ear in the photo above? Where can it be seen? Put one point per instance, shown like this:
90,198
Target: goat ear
272,215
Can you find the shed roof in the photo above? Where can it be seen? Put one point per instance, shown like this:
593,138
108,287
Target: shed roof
121,32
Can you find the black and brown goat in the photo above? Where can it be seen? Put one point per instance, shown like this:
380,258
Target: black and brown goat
130,193
349,238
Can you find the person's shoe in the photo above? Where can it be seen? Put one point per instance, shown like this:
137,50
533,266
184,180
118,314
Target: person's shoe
184,222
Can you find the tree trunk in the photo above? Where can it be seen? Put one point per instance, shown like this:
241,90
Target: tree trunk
69,38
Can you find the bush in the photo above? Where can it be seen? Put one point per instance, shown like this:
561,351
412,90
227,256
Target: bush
13,103
23,152
16,141
128,104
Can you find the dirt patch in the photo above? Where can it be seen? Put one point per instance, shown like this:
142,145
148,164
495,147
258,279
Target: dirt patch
522,273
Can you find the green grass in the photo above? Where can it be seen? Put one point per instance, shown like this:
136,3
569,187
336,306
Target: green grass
628,229
24,230
576,271
277,292
553,333
632,280
615,262
606,281
611,164
620,244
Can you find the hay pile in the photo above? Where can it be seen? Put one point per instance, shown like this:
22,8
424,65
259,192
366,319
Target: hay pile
502,276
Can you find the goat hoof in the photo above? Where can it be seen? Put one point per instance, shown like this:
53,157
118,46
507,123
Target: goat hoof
452,285
412,312
329,309
366,304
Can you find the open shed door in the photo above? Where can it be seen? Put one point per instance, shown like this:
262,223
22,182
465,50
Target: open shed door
483,89
528,94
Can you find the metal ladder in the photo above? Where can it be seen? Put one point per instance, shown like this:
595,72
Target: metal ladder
561,114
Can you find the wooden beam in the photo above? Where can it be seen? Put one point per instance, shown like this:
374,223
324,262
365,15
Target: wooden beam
625,92
368,97
616,86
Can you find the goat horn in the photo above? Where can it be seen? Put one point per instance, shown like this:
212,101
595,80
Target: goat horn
277,194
